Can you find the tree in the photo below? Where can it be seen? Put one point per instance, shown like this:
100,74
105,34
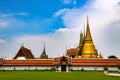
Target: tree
112,57
105,70
119,68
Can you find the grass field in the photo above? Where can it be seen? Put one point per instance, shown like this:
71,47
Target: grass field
38,75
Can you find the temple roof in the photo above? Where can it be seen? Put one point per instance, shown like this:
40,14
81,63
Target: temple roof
96,62
33,62
61,61
24,52
71,52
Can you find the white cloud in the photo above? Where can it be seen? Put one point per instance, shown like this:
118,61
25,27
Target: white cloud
9,19
2,41
69,2
66,1
13,14
56,43
4,23
22,14
61,12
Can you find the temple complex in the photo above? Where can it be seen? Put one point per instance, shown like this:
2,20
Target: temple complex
84,57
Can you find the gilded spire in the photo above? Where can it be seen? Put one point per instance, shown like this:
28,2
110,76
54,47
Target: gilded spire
88,48
88,34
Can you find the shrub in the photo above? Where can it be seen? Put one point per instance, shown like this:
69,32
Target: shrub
105,69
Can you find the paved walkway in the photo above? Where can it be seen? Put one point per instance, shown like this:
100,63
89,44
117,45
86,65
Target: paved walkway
112,74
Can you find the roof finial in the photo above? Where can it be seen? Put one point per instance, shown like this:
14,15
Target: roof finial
22,45
44,48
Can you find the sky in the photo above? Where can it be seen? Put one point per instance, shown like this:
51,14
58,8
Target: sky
58,23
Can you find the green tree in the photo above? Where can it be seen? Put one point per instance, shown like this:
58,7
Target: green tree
112,57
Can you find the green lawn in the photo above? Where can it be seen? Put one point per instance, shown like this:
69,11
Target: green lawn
38,75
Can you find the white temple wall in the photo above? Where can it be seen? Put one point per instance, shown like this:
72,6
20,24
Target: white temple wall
93,68
113,68
57,68
27,68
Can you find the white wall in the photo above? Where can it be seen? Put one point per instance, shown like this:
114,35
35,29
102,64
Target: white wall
94,68
57,68
26,68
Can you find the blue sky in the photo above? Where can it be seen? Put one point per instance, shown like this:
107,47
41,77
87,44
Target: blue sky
58,23
32,16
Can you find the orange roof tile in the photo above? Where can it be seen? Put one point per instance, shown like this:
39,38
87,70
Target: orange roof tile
37,62
72,50
95,62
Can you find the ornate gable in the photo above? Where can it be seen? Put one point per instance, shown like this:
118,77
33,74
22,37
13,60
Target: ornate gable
24,52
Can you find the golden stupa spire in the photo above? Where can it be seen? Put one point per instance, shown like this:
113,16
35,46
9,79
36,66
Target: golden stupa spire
88,34
88,48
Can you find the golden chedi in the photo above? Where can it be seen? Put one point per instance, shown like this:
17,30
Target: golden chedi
86,45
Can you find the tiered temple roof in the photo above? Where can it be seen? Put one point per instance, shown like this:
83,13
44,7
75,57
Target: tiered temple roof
62,61
24,52
72,52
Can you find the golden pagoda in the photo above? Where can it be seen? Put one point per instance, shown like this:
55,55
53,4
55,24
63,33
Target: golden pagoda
86,46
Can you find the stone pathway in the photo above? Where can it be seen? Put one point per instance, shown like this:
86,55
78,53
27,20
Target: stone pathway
112,74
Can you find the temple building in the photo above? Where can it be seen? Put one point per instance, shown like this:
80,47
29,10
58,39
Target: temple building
84,57
24,53
86,48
